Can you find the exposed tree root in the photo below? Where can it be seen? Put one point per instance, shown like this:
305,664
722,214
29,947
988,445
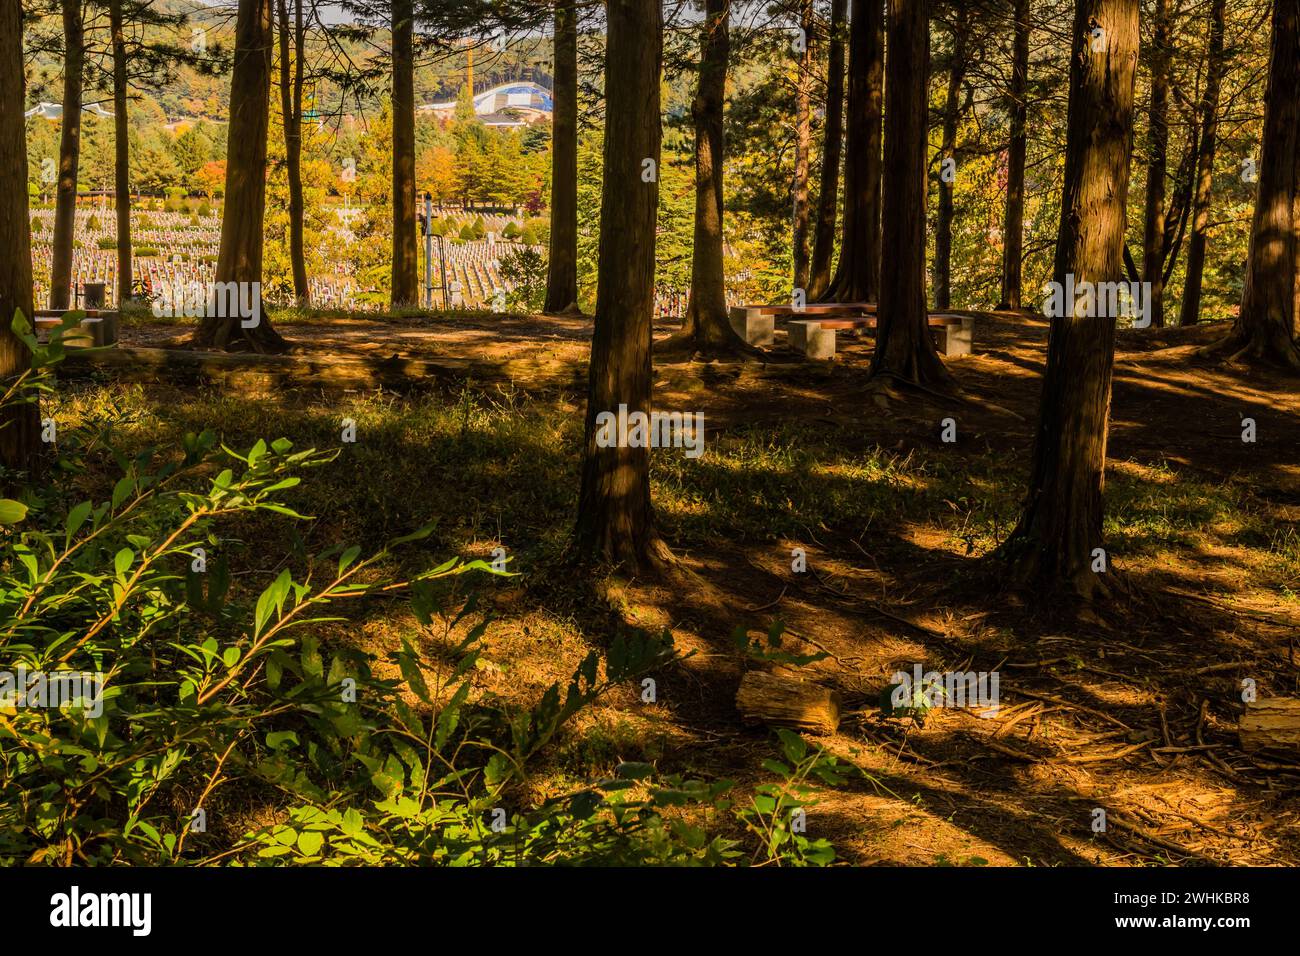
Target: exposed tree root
1259,348
688,345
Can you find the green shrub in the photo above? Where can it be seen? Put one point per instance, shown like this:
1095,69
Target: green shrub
209,685
107,242
525,269
145,252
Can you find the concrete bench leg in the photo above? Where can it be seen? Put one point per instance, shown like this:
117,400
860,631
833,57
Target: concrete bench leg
956,339
808,337
753,326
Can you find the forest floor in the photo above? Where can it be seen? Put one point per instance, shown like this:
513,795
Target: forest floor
1130,707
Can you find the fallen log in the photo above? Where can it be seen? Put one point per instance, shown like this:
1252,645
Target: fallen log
1272,724
783,702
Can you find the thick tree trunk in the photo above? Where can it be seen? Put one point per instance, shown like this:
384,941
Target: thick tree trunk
802,149
1153,231
121,155
1216,65
1013,226
562,267
952,110
239,258
65,199
705,326
904,351
828,192
1263,329
406,288
20,425
857,275
615,518
1053,545
1295,245
291,80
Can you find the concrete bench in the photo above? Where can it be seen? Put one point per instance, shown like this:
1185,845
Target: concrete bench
954,335
756,324
99,327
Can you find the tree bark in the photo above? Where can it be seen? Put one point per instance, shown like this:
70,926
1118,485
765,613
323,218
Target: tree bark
239,257
952,111
780,701
857,275
65,200
904,350
1053,545
1263,330
121,155
819,273
291,80
1216,66
802,148
705,327
615,518
1153,232
405,275
562,266
20,424
1013,226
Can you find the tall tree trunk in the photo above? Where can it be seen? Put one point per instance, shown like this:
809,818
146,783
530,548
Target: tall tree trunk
1013,225
904,351
828,191
705,326
1053,545
406,287
1216,65
121,155
615,518
65,200
291,80
802,148
1263,329
952,111
562,267
20,425
857,275
1153,232
239,257
1295,246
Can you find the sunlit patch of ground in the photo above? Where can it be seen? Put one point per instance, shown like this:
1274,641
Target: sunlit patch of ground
1130,709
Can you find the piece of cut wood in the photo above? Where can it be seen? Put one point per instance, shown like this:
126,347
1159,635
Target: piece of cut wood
783,702
1272,724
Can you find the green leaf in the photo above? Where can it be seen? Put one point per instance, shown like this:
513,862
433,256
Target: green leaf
125,485
310,842
281,739
348,556
122,560
11,512
76,518
271,599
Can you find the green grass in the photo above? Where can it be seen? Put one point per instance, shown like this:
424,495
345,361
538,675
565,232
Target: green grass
502,467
